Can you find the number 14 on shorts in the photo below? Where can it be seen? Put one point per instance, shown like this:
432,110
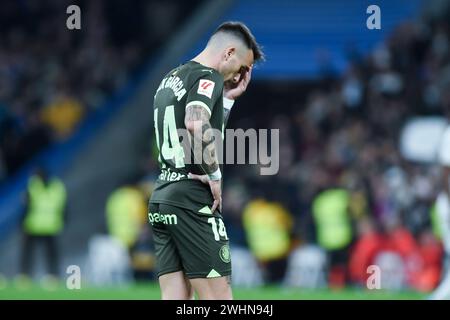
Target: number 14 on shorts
219,231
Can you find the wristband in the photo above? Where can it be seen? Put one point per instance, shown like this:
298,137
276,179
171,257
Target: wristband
227,103
217,175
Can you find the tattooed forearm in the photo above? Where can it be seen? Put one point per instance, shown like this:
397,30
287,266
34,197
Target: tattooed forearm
195,113
197,123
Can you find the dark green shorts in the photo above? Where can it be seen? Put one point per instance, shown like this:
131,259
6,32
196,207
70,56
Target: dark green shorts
193,242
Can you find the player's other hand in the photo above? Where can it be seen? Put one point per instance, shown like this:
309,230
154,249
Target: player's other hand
234,88
216,190
214,185
202,178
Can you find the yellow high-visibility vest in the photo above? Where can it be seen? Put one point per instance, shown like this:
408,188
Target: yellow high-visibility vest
267,226
126,213
46,207
330,211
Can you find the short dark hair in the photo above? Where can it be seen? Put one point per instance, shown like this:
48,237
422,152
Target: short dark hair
242,32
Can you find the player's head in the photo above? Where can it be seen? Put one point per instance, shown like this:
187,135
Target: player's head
236,49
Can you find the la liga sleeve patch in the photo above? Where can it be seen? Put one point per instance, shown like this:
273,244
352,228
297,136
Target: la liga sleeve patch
206,87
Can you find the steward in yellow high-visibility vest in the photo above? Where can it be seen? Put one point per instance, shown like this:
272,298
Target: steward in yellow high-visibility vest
43,221
126,211
332,215
46,206
332,218
267,226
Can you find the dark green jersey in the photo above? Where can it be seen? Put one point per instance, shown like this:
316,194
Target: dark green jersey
188,84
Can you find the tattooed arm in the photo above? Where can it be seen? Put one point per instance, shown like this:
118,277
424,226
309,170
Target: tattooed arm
197,123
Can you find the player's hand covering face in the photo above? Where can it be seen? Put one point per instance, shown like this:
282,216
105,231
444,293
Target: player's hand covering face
235,87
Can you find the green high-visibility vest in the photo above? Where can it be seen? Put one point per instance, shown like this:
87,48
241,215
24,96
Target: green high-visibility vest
46,207
330,211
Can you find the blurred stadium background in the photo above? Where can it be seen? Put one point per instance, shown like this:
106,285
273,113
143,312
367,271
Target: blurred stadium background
360,113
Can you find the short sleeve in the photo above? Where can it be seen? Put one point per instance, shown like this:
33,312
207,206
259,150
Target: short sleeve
205,92
444,151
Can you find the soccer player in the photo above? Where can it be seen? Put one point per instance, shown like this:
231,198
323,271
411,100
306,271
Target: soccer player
191,242
443,211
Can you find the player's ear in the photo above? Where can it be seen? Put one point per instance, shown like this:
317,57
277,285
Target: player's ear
229,52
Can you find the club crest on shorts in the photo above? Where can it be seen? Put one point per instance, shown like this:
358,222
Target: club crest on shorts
224,254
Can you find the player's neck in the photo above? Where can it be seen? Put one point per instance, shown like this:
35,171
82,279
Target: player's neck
205,59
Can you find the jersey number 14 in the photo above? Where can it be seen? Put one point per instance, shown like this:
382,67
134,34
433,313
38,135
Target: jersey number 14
171,148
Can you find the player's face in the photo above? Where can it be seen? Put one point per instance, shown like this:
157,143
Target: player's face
236,63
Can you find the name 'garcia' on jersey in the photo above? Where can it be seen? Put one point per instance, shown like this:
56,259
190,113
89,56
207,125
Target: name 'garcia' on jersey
174,83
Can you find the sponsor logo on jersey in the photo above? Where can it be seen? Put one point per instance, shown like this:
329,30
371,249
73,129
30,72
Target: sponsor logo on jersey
168,175
206,87
162,218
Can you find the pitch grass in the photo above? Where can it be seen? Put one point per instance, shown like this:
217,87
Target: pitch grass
151,292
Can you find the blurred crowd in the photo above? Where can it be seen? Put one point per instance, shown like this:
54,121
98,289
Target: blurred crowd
51,80
52,77
342,180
